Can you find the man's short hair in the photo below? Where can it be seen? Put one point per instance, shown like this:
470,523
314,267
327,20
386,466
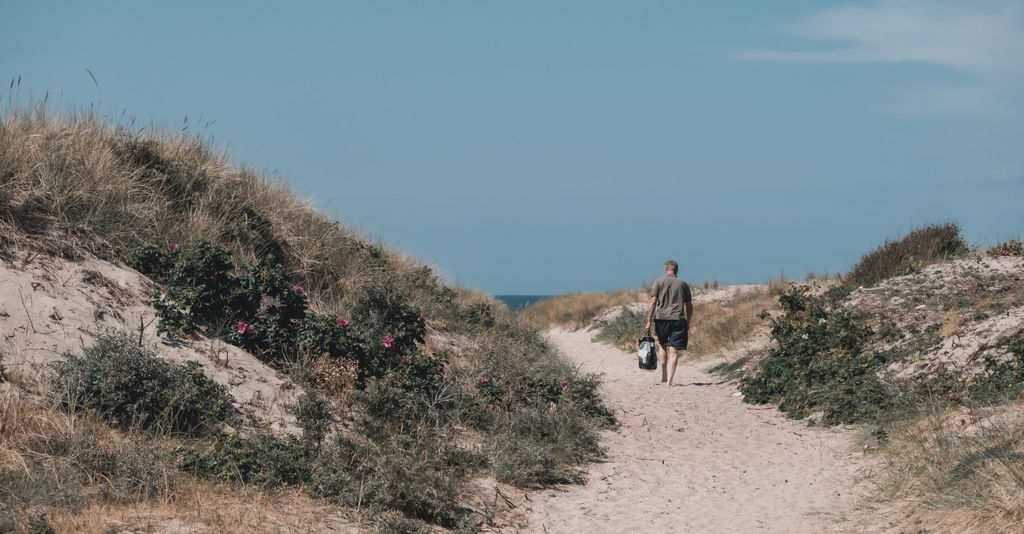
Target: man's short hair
671,265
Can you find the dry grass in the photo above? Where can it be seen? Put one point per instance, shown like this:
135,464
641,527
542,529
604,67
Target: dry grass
718,325
920,247
78,183
577,310
199,506
722,325
960,470
1012,247
952,323
87,477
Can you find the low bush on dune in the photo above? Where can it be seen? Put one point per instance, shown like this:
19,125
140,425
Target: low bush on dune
130,387
266,313
915,250
819,362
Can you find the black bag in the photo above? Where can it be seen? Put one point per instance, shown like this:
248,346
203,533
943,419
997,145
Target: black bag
646,353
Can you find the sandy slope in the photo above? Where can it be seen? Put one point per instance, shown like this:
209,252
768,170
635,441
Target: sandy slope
695,458
49,306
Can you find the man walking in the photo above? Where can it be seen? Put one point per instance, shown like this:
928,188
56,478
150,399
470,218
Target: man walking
672,309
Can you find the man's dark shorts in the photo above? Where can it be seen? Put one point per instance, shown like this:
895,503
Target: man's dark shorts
672,333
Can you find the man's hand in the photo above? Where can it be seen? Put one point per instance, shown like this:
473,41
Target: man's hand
648,327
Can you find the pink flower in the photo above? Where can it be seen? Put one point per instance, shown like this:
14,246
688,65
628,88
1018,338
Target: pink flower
244,328
406,358
483,380
342,322
422,319
389,342
174,247
299,288
479,524
563,385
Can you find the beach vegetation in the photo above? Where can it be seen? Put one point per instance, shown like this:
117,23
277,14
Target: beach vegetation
392,423
578,309
128,386
923,246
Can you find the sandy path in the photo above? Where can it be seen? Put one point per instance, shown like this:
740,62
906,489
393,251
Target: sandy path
695,458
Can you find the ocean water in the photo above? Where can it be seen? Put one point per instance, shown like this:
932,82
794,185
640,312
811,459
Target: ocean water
518,302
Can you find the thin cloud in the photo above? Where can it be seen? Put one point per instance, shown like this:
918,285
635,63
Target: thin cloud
982,40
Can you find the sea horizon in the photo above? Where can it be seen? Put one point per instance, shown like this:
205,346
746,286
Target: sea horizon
518,302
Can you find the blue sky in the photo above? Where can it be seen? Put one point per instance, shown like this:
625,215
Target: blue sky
545,147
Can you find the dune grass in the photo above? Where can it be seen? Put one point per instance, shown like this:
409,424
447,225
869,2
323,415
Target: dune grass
578,310
75,185
921,247
955,469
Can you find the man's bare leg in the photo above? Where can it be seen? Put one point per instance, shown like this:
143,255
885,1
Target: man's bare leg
661,362
673,359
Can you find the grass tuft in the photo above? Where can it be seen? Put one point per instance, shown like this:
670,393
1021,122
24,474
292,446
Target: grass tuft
913,251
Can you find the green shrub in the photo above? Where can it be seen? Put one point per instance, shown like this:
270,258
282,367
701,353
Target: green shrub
320,334
199,286
389,327
920,247
151,260
265,314
129,386
818,362
259,311
390,404
262,460
313,415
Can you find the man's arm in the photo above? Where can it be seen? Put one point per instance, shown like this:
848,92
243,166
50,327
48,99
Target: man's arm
650,312
688,311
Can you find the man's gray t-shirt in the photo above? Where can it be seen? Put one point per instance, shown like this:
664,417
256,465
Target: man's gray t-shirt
671,293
